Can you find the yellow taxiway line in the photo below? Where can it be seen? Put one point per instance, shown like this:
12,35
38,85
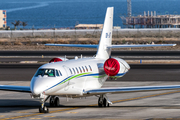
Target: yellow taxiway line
73,108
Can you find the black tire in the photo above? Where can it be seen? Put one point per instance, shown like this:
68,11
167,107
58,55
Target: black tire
40,110
56,102
99,103
51,101
105,104
43,110
46,110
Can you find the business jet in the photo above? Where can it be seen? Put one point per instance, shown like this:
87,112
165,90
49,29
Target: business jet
83,77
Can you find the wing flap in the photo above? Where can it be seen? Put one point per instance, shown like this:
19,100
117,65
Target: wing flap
130,89
15,88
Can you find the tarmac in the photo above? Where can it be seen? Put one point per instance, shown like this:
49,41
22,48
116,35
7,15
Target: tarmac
154,105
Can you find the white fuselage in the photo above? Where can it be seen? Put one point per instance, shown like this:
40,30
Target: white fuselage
72,77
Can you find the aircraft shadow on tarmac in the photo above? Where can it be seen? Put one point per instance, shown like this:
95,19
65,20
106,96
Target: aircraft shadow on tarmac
7,105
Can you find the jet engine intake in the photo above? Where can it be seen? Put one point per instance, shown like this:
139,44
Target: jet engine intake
55,60
111,67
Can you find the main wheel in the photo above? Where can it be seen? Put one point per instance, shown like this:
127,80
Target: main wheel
56,101
51,101
100,103
105,103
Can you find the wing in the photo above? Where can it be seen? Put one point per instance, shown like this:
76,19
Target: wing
130,89
15,88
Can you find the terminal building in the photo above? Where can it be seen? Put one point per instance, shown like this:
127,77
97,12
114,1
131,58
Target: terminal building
3,20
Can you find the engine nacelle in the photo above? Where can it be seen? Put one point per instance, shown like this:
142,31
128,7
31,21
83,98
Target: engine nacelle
58,59
111,67
116,67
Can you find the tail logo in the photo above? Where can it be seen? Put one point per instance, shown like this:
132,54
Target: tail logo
108,35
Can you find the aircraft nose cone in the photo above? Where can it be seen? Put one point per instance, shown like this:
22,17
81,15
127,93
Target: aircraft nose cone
36,86
35,90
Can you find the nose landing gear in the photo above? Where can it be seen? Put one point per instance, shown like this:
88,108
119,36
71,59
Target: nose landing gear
54,101
42,108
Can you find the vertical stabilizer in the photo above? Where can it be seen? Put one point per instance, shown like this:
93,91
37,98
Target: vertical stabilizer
106,36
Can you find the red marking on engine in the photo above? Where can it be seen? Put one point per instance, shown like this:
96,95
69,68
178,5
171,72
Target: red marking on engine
111,67
55,60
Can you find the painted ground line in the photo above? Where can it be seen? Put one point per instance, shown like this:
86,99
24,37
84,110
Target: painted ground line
73,108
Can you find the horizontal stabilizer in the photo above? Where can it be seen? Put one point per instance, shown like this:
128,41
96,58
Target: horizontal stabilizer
111,46
15,88
73,45
140,45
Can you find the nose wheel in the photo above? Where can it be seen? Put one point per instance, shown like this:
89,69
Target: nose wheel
43,109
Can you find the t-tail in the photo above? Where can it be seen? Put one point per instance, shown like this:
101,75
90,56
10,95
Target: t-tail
106,36
105,43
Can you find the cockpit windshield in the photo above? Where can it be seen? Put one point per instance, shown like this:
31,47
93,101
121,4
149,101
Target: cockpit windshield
48,72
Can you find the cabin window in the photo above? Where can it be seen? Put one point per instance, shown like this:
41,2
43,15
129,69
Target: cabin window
83,69
70,71
90,67
77,70
80,69
48,72
74,71
86,68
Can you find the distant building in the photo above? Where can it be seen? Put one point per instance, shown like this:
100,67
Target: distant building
89,26
151,20
3,23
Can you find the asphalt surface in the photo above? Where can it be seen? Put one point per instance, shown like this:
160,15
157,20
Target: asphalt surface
154,105
88,53
138,72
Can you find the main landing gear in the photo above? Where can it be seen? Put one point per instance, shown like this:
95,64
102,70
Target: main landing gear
53,101
103,101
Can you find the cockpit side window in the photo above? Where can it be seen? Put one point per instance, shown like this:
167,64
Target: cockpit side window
40,72
60,72
48,72
57,73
